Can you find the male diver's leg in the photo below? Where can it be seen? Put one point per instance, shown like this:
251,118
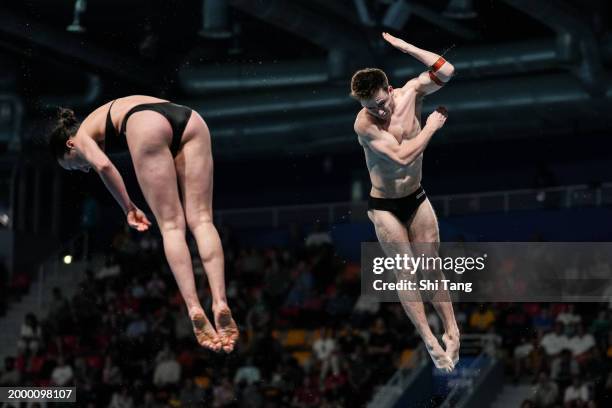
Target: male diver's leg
393,238
423,229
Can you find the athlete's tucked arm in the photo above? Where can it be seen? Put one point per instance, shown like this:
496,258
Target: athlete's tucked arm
439,73
385,144
112,180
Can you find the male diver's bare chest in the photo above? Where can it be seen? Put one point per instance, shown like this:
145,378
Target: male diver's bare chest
404,128
404,123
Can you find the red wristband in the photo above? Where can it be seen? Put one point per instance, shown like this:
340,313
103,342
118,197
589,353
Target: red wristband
434,78
438,64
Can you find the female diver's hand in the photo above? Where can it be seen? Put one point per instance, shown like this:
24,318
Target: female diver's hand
137,219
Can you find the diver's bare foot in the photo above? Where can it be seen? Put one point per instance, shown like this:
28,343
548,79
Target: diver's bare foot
439,357
226,327
452,346
204,331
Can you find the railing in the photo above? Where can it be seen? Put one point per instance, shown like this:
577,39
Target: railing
471,344
573,196
469,380
475,344
388,394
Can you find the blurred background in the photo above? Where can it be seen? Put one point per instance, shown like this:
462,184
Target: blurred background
524,156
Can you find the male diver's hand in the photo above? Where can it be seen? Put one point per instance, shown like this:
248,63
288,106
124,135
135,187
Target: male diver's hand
437,118
137,219
396,42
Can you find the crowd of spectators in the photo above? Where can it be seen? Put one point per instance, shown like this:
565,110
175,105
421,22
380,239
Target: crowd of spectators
308,339
125,340
563,350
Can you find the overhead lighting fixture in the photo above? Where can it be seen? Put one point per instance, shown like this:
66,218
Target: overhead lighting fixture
67,259
397,14
215,19
79,8
460,10
363,13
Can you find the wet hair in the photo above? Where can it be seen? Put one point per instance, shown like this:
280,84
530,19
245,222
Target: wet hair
65,127
366,82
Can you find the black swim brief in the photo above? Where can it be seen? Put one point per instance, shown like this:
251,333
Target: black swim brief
177,115
402,207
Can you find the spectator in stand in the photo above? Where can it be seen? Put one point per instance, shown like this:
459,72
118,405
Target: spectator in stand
601,325
223,393
251,397
251,263
482,318
149,243
596,370
564,368
182,325
380,348
167,371
576,395
138,290
111,373
523,354
122,399
110,269
318,237
162,325
543,322
247,374
258,317
37,365
302,286
31,334
150,402
365,309
325,351
81,369
156,287
359,375
308,395
191,396
545,392
581,344
10,375
512,324
62,374
604,399
555,341
267,352
569,316
491,343
349,339
137,327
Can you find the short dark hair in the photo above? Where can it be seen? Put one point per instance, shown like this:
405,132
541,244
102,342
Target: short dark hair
65,127
366,82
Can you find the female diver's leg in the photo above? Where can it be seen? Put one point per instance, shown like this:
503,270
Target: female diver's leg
194,166
156,175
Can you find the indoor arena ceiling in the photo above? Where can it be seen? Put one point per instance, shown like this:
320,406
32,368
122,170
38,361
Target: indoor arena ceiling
272,75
